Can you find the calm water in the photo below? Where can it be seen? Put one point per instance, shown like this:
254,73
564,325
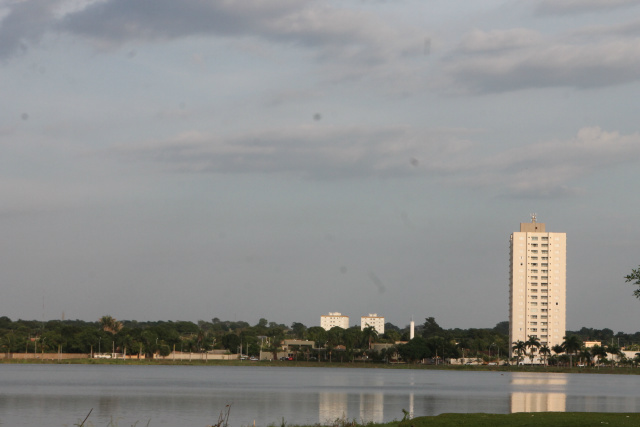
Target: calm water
62,395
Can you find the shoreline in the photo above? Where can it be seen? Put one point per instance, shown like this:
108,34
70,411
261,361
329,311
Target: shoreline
344,365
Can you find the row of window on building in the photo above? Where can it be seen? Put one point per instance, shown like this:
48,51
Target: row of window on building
328,321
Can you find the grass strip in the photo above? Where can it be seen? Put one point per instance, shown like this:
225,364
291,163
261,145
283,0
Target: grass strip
528,419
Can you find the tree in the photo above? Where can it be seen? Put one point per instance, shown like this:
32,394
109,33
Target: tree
335,336
533,343
298,330
502,328
599,353
614,350
586,355
519,347
318,335
635,275
545,352
415,350
369,335
557,349
391,336
430,328
352,337
231,342
164,350
571,345
109,324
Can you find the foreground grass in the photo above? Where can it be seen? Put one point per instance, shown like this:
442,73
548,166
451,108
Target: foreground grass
522,419
527,419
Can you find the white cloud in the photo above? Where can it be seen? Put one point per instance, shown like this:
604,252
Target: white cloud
544,169
555,7
500,61
335,33
480,41
310,152
551,168
347,43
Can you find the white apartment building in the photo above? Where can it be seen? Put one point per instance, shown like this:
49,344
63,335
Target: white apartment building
328,321
537,285
373,320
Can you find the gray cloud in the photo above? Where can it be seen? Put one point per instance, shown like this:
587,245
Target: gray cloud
627,29
501,61
310,152
349,44
119,21
564,7
545,169
338,34
499,40
25,23
549,169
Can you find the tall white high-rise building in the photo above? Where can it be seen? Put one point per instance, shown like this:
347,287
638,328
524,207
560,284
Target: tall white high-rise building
373,320
328,321
537,285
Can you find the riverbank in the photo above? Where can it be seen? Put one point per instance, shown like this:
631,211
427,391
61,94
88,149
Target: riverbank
345,365
521,419
527,419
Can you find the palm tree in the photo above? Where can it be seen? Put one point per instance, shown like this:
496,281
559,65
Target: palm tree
533,343
109,324
614,350
598,352
557,349
636,359
519,347
369,334
571,345
585,355
545,352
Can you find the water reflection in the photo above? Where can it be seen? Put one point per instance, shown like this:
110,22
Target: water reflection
371,407
543,393
332,406
194,396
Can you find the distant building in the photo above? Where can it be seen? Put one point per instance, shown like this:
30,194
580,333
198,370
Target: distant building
589,344
538,282
328,321
373,320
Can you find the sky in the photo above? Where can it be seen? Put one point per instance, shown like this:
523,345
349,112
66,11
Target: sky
283,159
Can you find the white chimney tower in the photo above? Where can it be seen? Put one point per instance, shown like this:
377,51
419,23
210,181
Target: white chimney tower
411,328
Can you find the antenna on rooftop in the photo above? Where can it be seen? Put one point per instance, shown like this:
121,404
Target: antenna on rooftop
533,217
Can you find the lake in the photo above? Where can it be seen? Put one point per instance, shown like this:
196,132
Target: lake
194,396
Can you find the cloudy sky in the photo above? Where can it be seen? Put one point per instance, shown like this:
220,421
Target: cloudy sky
166,160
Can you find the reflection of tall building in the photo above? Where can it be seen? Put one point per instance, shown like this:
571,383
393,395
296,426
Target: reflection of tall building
335,406
538,402
372,408
411,405
332,406
537,288
534,401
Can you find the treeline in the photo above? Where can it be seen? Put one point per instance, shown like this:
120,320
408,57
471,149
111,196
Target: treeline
608,337
107,335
